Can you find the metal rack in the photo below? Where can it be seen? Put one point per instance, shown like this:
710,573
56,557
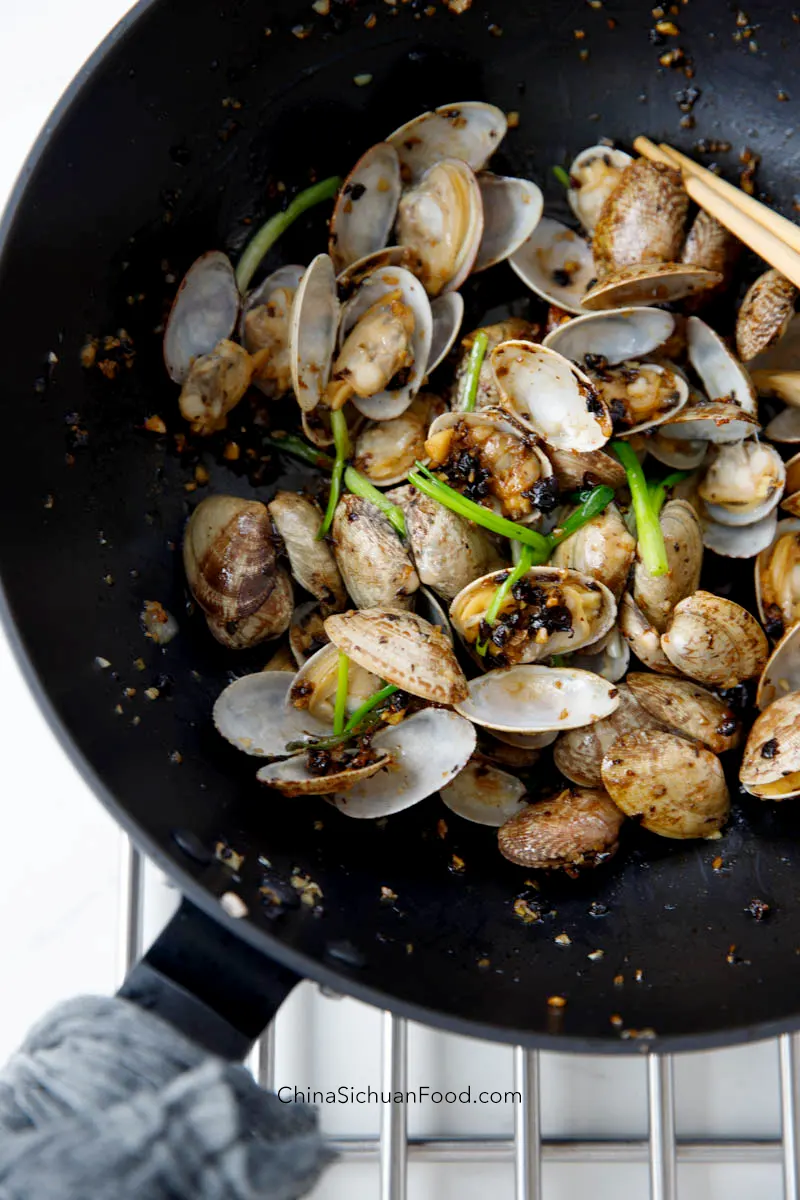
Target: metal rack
393,1149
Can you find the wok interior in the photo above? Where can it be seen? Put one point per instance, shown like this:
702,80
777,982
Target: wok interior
155,162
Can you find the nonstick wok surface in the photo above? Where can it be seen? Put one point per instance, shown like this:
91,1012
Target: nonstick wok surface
174,137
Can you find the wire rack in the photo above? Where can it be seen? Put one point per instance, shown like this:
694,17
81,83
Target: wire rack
393,1149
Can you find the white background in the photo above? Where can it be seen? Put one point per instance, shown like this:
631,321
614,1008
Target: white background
59,881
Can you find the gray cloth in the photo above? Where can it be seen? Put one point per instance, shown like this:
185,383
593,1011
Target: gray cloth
106,1100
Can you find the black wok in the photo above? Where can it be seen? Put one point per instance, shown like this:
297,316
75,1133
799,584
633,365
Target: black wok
147,160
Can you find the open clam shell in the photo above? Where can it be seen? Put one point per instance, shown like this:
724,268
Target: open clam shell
294,777
312,332
385,451
264,325
764,314
579,752
717,421
783,385
365,208
427,750
785,428
593,175
743,483
686,708
616,335
723,376
470,131
556,263
484,794
382,282
643,637
550,395
440,220
739,541
512,208
252,714
203,313
610,658
403,649
573,830
313,689
640,395
391,256
682,454
649,283
447,312
781,675
771,762
576,470
532,699
777,579
715,641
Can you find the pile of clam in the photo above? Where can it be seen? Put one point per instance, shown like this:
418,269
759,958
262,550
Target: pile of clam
620,674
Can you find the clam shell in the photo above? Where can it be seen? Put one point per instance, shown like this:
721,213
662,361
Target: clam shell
503,754
785,428
251,713
447,312
642,220
649,283
743,483
739,541
783,355
214,385
354,275
440,219
306,633
386,450
403,649
427,750
579,753
715,641
676,787
270,620
431,609
680,454
483,793
487,395
313,689
764,314
709,244
611,662
449,552
602,549
512,208
771,762
723,376
642,637
470,130
526,741
617,334
777,578
365,208
577,828
686,708
312,332
556,263
229,557
576,470
657,596
551,396
591,607
375,565
785,385
534,699
781,675
203,313
393,401
596,171
274,298
297,519
716,421
641,395
292,776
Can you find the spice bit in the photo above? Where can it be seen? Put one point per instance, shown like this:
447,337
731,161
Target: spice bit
310,892
579,34
441,827
456,864
484,963
782,95
638,1034
129,693
409,947
301,32
233,905
619,980
201,474
152,693
362,80
102,663
118,709
556,1002
731,957
512,119
154,424
176,757
717,863
638,975
227,855
758,909
668,28
617,1021
496,30
387,895
526,913
596,955
49,501
458,6
137,720
318,825
323,7
583,55
563,939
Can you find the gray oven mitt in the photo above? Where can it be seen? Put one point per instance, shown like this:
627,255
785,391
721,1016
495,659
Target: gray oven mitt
106,1100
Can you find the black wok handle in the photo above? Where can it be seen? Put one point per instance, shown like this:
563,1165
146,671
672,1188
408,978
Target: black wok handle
211,985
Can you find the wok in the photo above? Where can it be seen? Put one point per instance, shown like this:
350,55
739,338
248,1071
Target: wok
170,142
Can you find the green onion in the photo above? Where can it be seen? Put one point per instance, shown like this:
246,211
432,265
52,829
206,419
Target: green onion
300,449
266,237
340,703
594,503
526,561
562,176
648,527
362,721
359,486
468,390
658,490
371,702
427,483
558,660
341,440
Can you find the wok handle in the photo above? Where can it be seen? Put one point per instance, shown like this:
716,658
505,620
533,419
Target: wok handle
211,985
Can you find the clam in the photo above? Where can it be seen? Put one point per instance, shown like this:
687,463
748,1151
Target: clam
386,326
643,637
373,562
723,376
608,658
785,428
709,244
602,549
512,209
430,608
739,541
579,752
585,470
252,714
656,596
440,219
535,699
427,750
449,552
391,256
322,773
403,649
470,131
575,829
312,332
593,175
229,556
675,786
649,283
778,579
307,632
549,611
487,395
688,709
771,763
784,385
203,313
764,314
492,458
483,793
270,620
385,451
642,219
365,208
264,326
715,641
781,675
743,483
783,355
297,519
214,384
556,263
551,396
447,313
682,454
638,395
313,689
615,335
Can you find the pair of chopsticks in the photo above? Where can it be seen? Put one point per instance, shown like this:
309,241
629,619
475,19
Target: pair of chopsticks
770,235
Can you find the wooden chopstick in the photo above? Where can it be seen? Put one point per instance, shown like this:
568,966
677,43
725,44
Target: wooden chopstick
771,236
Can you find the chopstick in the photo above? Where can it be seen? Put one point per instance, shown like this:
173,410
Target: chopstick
771,236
